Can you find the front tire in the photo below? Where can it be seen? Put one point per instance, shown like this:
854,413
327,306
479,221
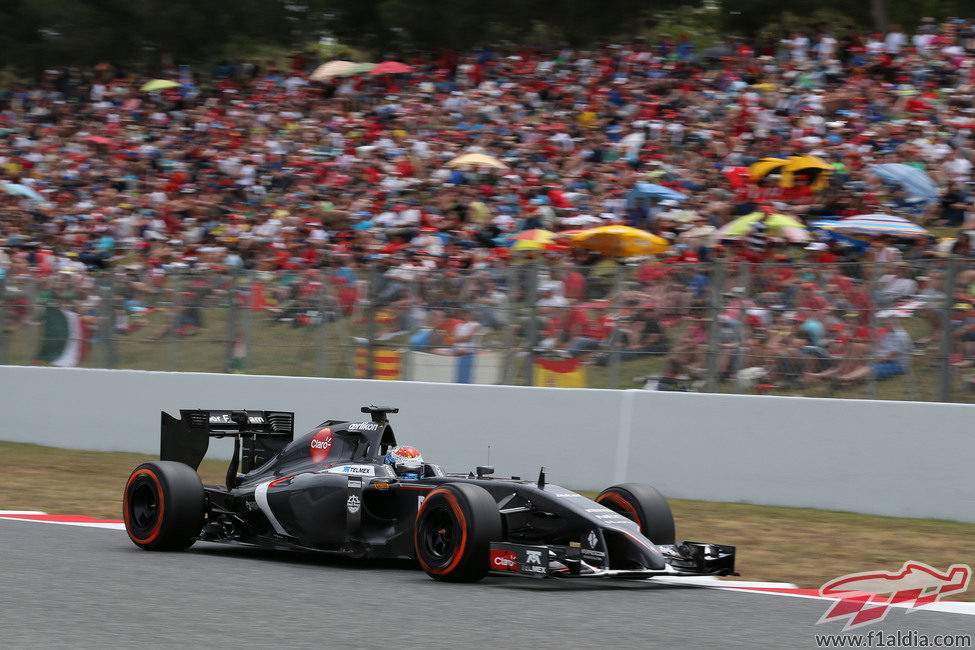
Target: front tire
645,506
163,506
455,526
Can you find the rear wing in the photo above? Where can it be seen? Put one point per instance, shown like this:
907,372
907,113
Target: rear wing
263,434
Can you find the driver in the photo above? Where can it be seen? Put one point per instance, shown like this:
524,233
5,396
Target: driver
406,461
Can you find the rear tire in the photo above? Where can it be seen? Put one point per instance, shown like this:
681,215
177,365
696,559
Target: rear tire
644,505
163,506
455,526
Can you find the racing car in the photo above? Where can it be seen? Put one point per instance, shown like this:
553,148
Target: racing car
331,490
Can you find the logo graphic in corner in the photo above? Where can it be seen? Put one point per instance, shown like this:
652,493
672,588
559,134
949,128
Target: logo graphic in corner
865,598
504,560
353,503
321,445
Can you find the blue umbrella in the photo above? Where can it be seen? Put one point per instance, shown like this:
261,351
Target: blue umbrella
659,192
22,190
912,179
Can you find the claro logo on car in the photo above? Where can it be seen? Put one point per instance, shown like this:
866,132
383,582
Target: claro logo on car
321,445
504,560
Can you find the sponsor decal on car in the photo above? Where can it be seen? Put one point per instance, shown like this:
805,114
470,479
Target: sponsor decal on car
321,445
223,418
363,426
504,560
255,419
592,539
353,470
533,557
353,503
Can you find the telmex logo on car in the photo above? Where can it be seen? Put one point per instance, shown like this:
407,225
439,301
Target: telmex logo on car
357,470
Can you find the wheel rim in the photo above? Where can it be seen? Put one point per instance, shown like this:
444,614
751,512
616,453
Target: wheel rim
438,538
143,506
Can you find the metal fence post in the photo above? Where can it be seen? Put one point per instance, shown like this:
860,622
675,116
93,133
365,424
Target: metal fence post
232,318
370,306
3,321
944,374
108,319
510,324
323,314
714,307
616,338
173,356
531,297
874,307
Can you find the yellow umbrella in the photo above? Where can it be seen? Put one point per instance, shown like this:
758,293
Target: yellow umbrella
765,166
619,241
535,239
478,159
331,69
812,165
159,84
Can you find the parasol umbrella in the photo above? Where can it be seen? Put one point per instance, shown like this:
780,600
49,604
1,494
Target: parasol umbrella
390,67
658,192
766,166
913,180
825,225
813,166
581,220
159,84
775,222
360,68
332,69
16,189
877,224
618,241
478,159
535,239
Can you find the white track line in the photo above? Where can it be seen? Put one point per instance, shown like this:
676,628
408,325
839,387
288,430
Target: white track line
705,582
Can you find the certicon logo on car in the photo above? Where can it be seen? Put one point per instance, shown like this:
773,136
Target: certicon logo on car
353,503
321,445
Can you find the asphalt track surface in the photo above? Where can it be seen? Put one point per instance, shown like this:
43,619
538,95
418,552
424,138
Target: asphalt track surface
71,587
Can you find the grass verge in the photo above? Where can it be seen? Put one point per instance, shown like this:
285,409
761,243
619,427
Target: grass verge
800,545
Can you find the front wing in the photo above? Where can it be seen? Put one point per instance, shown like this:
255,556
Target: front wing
555,561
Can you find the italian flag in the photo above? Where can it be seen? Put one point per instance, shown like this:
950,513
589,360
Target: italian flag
64,342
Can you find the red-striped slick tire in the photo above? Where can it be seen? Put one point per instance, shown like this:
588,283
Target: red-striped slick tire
644,505
455,526
163,506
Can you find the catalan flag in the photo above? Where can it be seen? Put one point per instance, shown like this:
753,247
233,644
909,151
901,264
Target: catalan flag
386,364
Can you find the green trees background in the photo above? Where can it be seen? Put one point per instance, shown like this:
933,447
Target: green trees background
38,33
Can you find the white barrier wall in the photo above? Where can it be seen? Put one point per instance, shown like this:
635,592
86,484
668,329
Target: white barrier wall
902,459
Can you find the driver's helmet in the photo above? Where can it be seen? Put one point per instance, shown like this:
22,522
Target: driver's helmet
407,462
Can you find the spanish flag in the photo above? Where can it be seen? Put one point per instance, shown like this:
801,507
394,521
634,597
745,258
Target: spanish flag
386,364
559,373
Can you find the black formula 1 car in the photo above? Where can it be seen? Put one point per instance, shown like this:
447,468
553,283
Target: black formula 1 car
331,491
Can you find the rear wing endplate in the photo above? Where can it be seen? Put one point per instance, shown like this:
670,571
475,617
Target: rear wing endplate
263,433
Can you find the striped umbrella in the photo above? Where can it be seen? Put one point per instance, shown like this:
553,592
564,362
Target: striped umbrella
878,224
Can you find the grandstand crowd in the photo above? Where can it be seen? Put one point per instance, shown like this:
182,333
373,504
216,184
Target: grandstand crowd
260,169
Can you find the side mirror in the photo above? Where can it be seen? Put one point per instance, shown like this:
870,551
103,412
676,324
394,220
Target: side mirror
484,470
